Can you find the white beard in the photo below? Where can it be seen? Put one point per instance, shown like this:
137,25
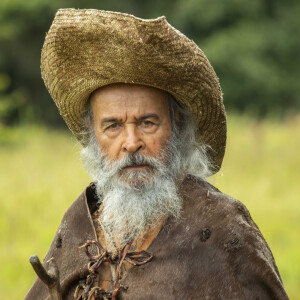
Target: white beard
133,200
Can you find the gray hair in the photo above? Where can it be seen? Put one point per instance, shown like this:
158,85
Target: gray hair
193,154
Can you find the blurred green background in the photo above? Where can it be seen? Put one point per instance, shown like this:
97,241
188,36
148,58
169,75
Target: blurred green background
254,48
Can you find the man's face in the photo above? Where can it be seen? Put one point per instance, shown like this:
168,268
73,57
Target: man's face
131,119
137,162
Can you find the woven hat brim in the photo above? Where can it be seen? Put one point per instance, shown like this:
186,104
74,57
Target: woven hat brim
88,49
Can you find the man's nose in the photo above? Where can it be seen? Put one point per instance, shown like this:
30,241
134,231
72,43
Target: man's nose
132,140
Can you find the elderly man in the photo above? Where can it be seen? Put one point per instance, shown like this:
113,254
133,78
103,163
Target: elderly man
147,107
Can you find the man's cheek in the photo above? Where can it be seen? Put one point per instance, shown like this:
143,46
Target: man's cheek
156,145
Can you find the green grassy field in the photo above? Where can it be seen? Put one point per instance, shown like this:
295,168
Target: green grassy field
40,175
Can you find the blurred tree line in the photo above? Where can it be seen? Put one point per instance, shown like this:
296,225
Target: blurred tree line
253,46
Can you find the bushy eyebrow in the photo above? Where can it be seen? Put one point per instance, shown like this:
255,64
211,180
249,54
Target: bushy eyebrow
109,120
141,118
153,116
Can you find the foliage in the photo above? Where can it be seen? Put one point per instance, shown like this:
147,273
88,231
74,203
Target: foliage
41,176
254,47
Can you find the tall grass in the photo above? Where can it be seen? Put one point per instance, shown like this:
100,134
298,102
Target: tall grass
40,175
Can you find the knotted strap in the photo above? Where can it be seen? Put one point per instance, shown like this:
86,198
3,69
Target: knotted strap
134,258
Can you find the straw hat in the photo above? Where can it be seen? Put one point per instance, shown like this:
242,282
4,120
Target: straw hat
88,49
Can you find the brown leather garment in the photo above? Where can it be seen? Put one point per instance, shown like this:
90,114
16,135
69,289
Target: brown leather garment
215,251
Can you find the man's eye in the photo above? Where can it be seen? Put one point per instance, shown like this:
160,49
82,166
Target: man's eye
147,123
113,126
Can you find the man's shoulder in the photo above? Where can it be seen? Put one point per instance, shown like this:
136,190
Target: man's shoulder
203,199
74,230
76,226
216,238
219,218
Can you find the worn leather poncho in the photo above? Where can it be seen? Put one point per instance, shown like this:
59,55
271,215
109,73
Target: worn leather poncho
214,251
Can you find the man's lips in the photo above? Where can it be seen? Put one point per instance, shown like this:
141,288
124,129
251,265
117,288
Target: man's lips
137,167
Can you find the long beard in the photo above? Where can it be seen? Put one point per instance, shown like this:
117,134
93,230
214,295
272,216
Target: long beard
135,200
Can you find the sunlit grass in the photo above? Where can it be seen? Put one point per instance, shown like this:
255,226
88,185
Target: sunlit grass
40,176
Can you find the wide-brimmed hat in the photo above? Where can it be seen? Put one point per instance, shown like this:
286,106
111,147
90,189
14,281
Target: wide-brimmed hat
88,49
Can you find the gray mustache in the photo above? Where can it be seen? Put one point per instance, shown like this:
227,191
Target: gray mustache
138,159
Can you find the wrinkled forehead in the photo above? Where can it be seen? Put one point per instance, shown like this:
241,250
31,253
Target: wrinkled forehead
129,98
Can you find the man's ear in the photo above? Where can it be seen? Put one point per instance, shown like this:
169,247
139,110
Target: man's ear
178,119
91,125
